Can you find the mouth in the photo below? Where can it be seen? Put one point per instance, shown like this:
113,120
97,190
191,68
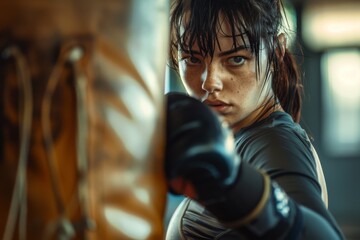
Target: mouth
218,106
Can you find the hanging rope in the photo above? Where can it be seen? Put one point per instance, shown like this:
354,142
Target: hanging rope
19,196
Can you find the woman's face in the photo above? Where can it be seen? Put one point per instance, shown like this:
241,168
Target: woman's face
228,82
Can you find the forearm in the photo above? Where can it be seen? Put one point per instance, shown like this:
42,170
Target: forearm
270,214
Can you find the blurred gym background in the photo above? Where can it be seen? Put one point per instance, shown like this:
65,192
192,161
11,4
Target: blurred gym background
328,32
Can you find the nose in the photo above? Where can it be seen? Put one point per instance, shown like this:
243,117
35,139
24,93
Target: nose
211,81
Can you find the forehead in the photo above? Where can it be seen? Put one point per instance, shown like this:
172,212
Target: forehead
222,33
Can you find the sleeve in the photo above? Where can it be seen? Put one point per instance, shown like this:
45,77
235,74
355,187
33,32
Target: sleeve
283,218
273,216
286,157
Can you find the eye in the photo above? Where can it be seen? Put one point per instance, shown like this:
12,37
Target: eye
236,61
191,60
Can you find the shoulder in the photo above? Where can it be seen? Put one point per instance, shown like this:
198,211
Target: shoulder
282,149
278,124
277,145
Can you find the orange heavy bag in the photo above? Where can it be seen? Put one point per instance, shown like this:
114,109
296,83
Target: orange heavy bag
82,122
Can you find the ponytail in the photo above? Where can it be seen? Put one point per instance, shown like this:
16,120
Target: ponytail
287,85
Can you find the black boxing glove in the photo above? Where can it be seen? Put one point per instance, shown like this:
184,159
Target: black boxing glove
200,160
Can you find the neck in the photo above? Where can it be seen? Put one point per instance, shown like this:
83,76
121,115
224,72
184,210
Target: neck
262,112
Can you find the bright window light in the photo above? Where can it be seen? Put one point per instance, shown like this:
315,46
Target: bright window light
341,95
328,25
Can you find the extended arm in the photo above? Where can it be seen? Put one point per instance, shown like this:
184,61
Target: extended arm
201,165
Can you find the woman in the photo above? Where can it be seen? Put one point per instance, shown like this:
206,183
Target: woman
232,57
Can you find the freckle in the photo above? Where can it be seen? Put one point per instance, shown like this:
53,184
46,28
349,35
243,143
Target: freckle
237,91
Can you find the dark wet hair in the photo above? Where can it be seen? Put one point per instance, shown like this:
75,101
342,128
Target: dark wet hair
259,20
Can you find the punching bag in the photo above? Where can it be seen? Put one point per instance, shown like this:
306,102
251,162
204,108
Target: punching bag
82,119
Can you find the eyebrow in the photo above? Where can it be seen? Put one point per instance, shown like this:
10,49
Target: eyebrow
221,54
239,48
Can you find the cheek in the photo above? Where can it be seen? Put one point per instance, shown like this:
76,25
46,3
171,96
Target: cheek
190,79
244,85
